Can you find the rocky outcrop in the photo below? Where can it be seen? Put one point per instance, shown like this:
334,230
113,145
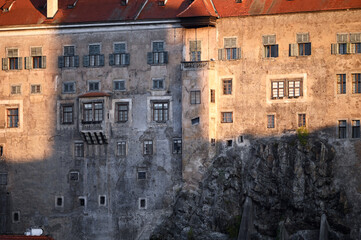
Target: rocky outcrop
287,180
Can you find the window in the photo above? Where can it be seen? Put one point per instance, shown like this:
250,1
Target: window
119,85
122,112
227,117
13,117
3,178
142,203
158,83
122,148
69,59
195,97
79,149
158,55
355,39
67,114
213,96
93,86
195,50
119,57
294,88
94,59
240,139
302,120
356,83
229,143
36,59
36,88
342,46
160,111
341,83
142,173
1,150
302,47
270,121
12,61
93,112
69,87
355,128
291,88
102,200
177,146
230,50
59,201
270,46
227,86
74,176
342,128
148,147
195,121
82,201
15,89
213,142
16,216
278,88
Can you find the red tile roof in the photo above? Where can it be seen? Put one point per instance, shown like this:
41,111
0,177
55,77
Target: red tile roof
94,94
18,237
199,8
32,12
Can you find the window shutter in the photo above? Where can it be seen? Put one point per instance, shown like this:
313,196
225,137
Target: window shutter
86,61
43,62
101,60
27,62
76,61
5,63
355,37
293,50
165,57
127,59
111,59
192,46
13,52
353,48
220,54
238,53
303,37
334,48
269,39
150,58
342,38
199,46
2,116
230,42
60,62
36,51
20,63
66,51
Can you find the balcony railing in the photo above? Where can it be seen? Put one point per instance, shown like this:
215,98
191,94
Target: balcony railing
198,65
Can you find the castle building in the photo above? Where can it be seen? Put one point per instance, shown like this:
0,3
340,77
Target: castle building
108,107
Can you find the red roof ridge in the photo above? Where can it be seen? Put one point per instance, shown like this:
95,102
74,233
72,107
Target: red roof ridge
199,8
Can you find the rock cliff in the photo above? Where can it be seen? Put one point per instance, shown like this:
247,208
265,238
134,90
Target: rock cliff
289,181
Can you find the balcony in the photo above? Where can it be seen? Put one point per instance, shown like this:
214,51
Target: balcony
197,65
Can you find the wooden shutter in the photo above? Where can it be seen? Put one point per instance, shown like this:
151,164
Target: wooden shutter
60,62
269,39
220,54
43,62
127,59
165,57
13,52
27,62
303,37
36,51
355,37
150,58
348,47
238,53
86,61
111,59
334,48
293,50
20,63
94,49
342,38
5,63
76,61
2,116
101,60
353,48
230,42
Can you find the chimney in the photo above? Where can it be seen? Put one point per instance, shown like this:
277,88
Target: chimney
51,8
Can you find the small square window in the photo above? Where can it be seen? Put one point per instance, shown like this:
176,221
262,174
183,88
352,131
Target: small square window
122,111
120,47
13,117
67,114
1,150
158,83
59,201
82,201
177,146
69,87
93,86
227,117
148,147
213,142
355,128
79,149
195,97
341,83
227,86
240,139
195,121
270,121
16,216
342,129
142,174
3,178
36,88
69,50
229,143
160,111
213,96
15,89
102,200
302,120
74,176
119,85
122,148
142,203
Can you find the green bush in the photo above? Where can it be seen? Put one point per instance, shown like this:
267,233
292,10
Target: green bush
302,135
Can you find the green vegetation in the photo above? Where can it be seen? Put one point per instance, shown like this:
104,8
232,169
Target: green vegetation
302,135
